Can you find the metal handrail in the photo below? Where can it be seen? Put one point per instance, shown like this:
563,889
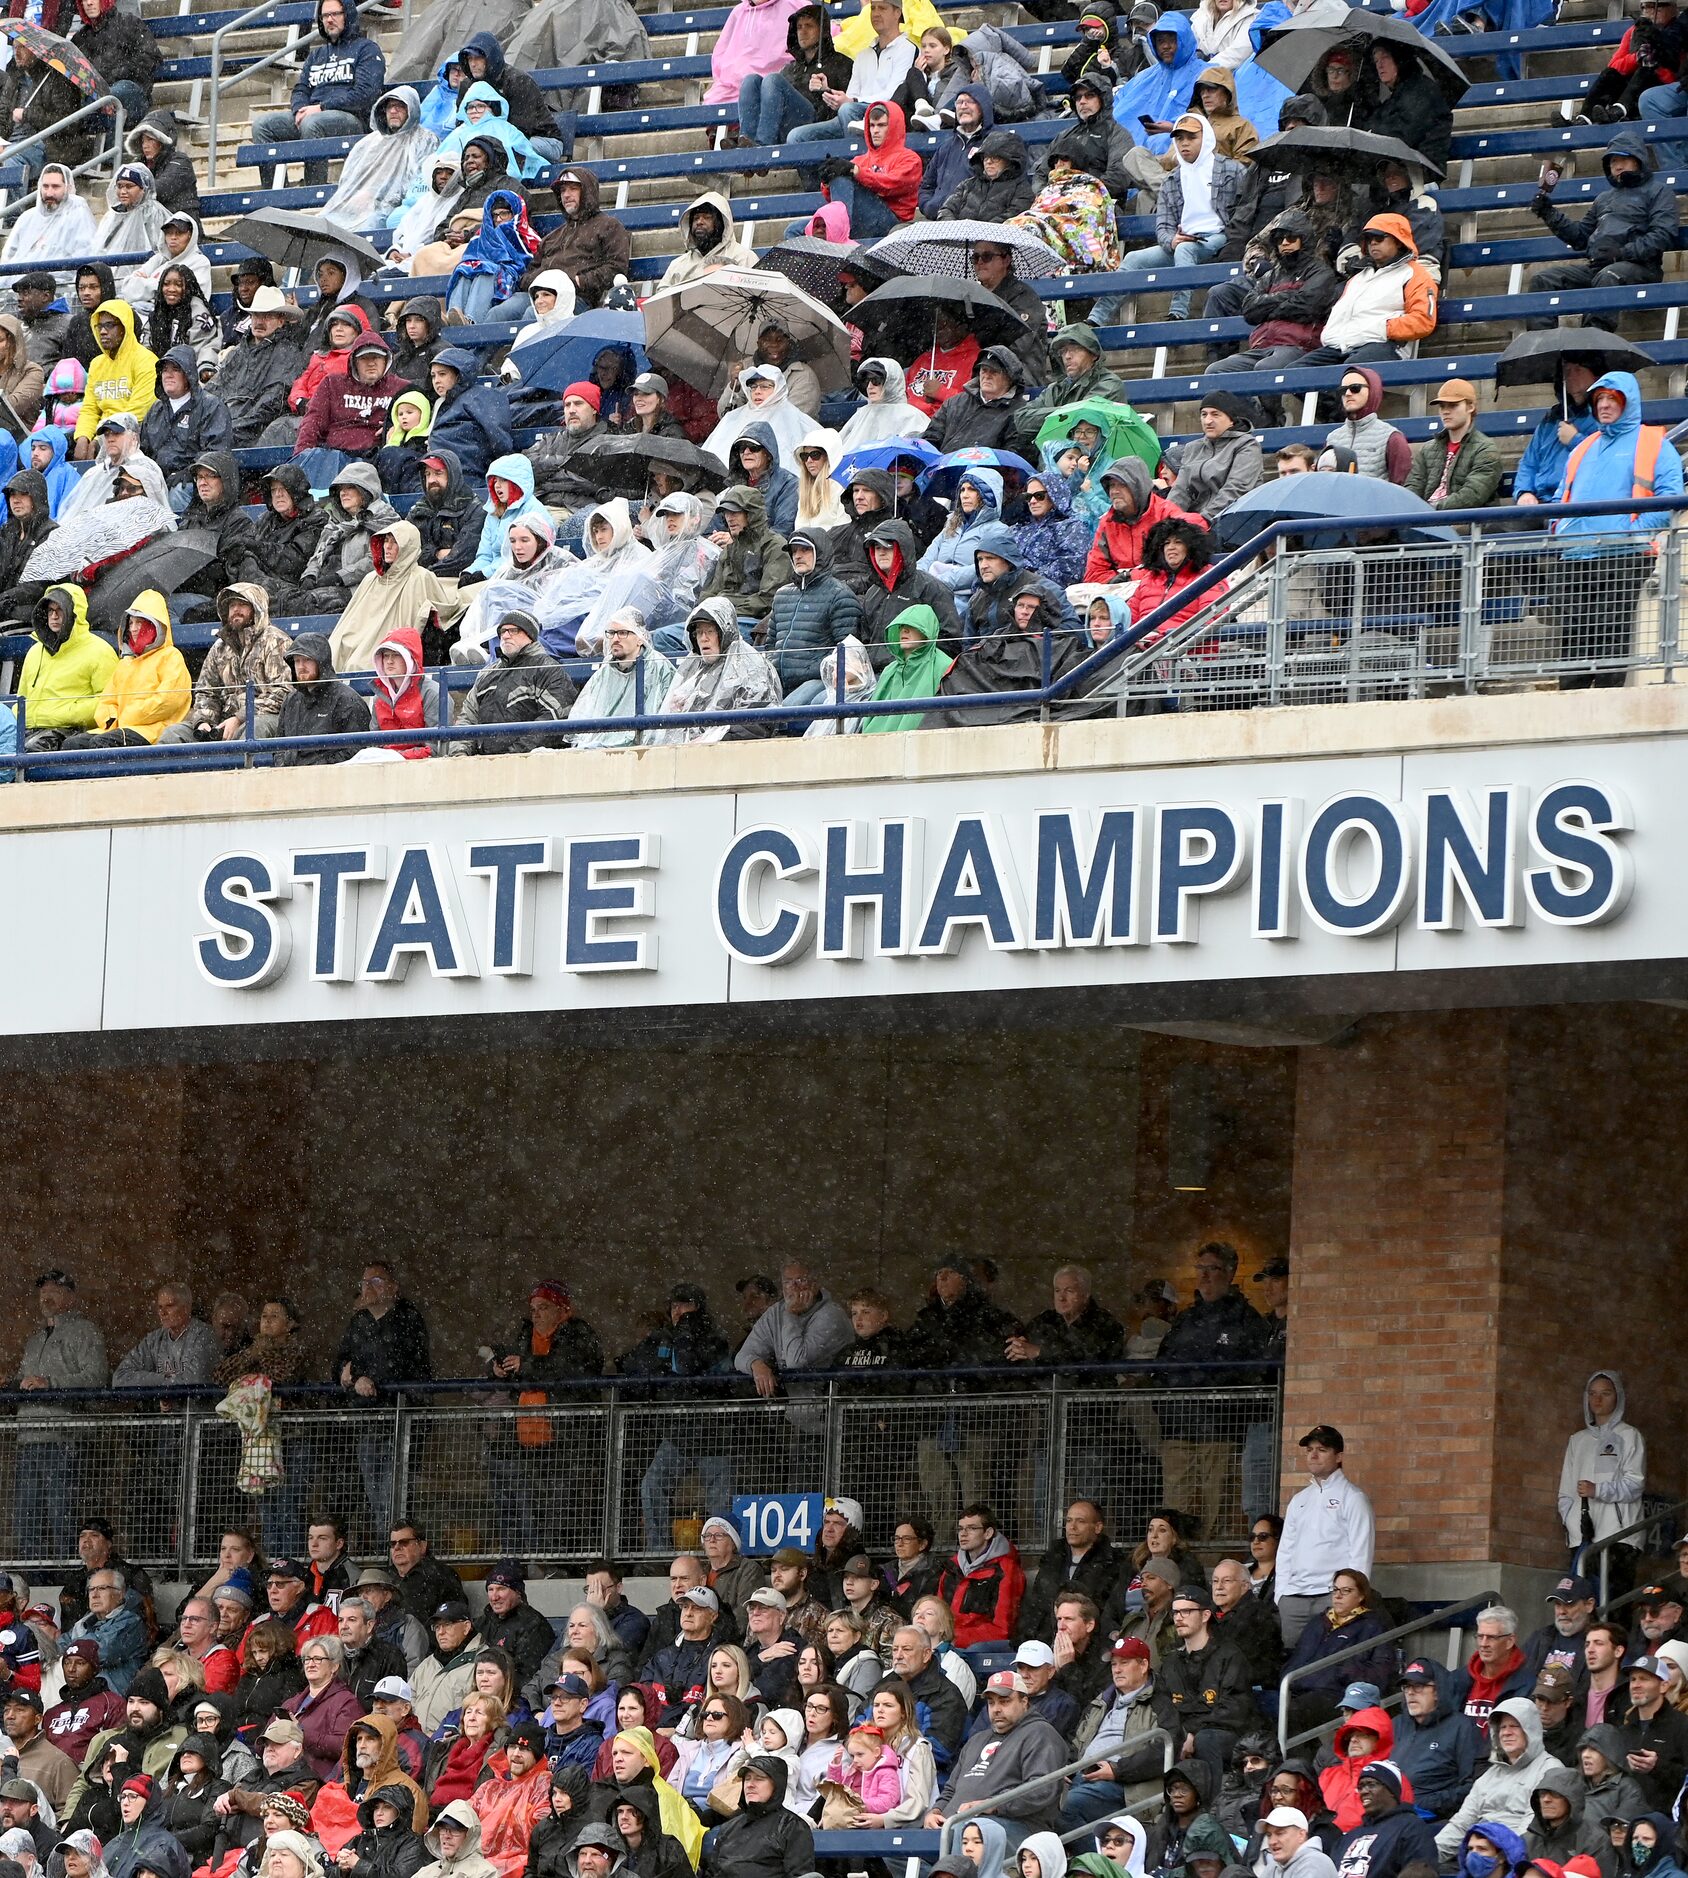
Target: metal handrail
993,1802
219,85
1442,1615
1607,1604
108,104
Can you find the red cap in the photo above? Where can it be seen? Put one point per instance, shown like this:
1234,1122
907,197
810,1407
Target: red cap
1133,1646
582,389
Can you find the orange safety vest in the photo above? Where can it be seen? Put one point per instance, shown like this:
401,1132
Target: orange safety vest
1648,443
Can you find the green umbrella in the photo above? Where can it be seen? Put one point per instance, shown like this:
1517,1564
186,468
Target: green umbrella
1124,433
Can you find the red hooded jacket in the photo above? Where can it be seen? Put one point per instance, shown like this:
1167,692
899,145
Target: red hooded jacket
405,707
892,171
1117,550
1341,1784
321,364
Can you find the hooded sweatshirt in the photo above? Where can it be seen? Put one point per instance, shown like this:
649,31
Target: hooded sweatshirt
319,707
1610,1454
889,169
1339,1783
345,74
147,689
492,551
470,1861
127,381
694,259
1394,303
1615,1793
1501,1792
64,677
347,415
1379,448
1441,1755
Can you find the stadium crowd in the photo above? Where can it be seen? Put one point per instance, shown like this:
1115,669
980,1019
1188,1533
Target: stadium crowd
777,567
299,1713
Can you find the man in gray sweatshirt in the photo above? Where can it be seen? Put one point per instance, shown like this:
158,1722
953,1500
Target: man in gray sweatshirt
807,1329
68,1352
1017,1747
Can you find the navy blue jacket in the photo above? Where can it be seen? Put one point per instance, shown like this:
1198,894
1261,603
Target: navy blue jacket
809,617
472,420
947,167
1441,1756
1381,1848
348,75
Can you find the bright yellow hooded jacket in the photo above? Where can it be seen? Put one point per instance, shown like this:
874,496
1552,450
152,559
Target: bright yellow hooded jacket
146,690
61,689
128,382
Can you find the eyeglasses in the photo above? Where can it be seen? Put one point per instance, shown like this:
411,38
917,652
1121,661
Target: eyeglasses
1258,1538
810,456
1037,495
714,1714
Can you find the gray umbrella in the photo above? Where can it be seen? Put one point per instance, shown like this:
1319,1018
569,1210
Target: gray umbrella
699,329
930,248
299,239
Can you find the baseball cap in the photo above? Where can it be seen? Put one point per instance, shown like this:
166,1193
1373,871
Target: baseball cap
1360,1695
1034,1655
731,501
1418,1671
1007,1682
1132,1646
1286,1816
1198,1595
452,1611
393,1689
284,1728
30,1698
1456,391
651,381
857,1565
1553,1680
701,1594
19,1790
126,421
768,1596
287,1568
58,1275
1160,1288
570,1685
1572,1591
1658,1594
1650,1666
790,1556
1325,1435
1274,1268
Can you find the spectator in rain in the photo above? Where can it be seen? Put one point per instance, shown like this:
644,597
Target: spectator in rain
1328,1527
1459,468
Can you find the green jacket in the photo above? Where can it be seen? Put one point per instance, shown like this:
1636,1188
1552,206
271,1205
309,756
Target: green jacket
754,565
60,689
1476,477
910,674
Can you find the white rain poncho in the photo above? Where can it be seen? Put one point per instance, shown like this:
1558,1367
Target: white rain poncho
140,284
542,325
577,605
379,168
136,230
413,227
859,681
510,586
559,33
112,529
611,691
683,560
737,679
789,425
42,235
892,416
819,499
95,484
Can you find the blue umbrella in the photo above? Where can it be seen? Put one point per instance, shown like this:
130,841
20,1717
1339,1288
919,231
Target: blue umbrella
951,468
882,455
1350,502
550,364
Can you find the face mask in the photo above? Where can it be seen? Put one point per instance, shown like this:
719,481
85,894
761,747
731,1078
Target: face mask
1641,1856
1480,1864
1629,179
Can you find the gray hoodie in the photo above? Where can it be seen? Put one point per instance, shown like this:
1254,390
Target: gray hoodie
1502,1791
469,1863
990,1763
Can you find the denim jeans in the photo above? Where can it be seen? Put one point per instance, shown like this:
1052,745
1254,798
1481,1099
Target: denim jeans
134,100
769,109
850,114
279,127
48,1498
472,297
1088,1801
669,1466
1260,1471
1185,254
869,217
1667,101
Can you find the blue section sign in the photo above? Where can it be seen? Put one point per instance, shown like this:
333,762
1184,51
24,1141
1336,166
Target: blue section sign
767,1521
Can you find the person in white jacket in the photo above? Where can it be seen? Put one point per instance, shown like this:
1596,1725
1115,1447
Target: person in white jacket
1604,1473
1518,1764
1328,1527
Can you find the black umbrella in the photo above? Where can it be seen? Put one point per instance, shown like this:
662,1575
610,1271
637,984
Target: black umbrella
898,317
1293,55
814,265
623,465
166,563
1337,147
1535,358
299,239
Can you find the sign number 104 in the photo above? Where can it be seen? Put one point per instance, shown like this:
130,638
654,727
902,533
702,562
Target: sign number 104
767,1522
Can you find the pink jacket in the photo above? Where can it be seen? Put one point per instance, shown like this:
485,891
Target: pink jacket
753,40
879,1789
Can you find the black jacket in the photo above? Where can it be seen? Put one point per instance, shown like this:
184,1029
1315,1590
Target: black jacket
173,439
1666,1735
119,46
679,1669
20,539
378,1657
525,1636
764,1840
410,361
228,519
173,178
1095,1574
659,1855
450,525
528,110
1229,1330
427,1585
388,1851
388,1349
970,1333
824,62
1415,112
1210,1687
942,1712
530,688
966,421
1635,225
280,546
255,377
1253,1628
980,198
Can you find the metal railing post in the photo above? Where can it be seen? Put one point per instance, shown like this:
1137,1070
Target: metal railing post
613,1448
187,1497
399,1474
1277,625
1473,653
833,1466
1670,603
1603,1547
